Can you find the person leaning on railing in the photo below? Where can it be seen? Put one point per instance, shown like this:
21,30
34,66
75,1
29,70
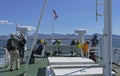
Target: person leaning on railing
85,48
57,42
94,42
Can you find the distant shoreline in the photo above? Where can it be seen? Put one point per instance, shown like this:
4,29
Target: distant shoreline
62,36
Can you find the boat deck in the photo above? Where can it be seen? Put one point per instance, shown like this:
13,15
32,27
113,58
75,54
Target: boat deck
74,66
39,67
36,69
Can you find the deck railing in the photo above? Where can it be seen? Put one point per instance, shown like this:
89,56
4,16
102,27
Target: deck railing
95,50
116,56
61,49
4,57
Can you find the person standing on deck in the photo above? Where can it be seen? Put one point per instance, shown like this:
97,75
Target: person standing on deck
85,48
57,42
12,47
32,58
79,45
22,43
94,42
73,43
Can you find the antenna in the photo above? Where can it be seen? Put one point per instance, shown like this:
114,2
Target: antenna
98,3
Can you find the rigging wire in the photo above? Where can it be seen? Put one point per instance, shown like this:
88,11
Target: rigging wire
35,37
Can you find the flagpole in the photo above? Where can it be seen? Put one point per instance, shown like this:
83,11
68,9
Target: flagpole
52,27
55,16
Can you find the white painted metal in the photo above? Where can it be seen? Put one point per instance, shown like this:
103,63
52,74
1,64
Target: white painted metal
97,50
24,29
69,60
4,57
97,13
78,71
81,33
107,38
60,68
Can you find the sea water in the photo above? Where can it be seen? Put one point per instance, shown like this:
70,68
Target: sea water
115,42
115,45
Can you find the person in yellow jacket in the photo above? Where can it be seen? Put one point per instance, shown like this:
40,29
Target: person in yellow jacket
85,48
79,44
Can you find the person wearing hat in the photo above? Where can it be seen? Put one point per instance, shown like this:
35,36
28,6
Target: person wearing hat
12,47
41,44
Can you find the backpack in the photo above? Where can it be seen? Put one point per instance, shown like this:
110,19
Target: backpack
12,45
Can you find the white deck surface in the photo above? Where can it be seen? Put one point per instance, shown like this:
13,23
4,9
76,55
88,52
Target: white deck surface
75,66
61,66
78,71
69,60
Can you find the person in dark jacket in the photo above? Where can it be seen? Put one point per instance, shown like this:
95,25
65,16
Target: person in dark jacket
12,47
41,44
94,42
22,43
73,42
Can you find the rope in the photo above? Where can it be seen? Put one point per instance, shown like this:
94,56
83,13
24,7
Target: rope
35,37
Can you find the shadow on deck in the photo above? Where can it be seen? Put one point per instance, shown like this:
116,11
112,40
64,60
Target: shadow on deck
36,69
41,72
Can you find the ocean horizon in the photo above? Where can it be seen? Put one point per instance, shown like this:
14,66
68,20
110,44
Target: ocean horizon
115,42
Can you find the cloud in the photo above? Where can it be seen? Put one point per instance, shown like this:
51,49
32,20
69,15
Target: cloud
6,22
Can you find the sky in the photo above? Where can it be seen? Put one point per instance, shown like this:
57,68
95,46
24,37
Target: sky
72,15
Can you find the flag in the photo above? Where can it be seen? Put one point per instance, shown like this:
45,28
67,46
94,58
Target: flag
55,15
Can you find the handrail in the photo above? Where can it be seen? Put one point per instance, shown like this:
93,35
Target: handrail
95,50
61,48
6,57
116,56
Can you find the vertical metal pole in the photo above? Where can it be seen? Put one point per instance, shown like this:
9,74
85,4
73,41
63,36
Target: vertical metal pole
96,10
82,42
107,38
52,26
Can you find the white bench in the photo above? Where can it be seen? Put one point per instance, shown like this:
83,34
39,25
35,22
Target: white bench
60,48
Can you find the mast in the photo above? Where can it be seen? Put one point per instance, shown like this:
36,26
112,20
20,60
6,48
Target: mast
107,38
107,35
35,37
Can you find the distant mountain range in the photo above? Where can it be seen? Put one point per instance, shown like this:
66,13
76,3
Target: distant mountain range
61,36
